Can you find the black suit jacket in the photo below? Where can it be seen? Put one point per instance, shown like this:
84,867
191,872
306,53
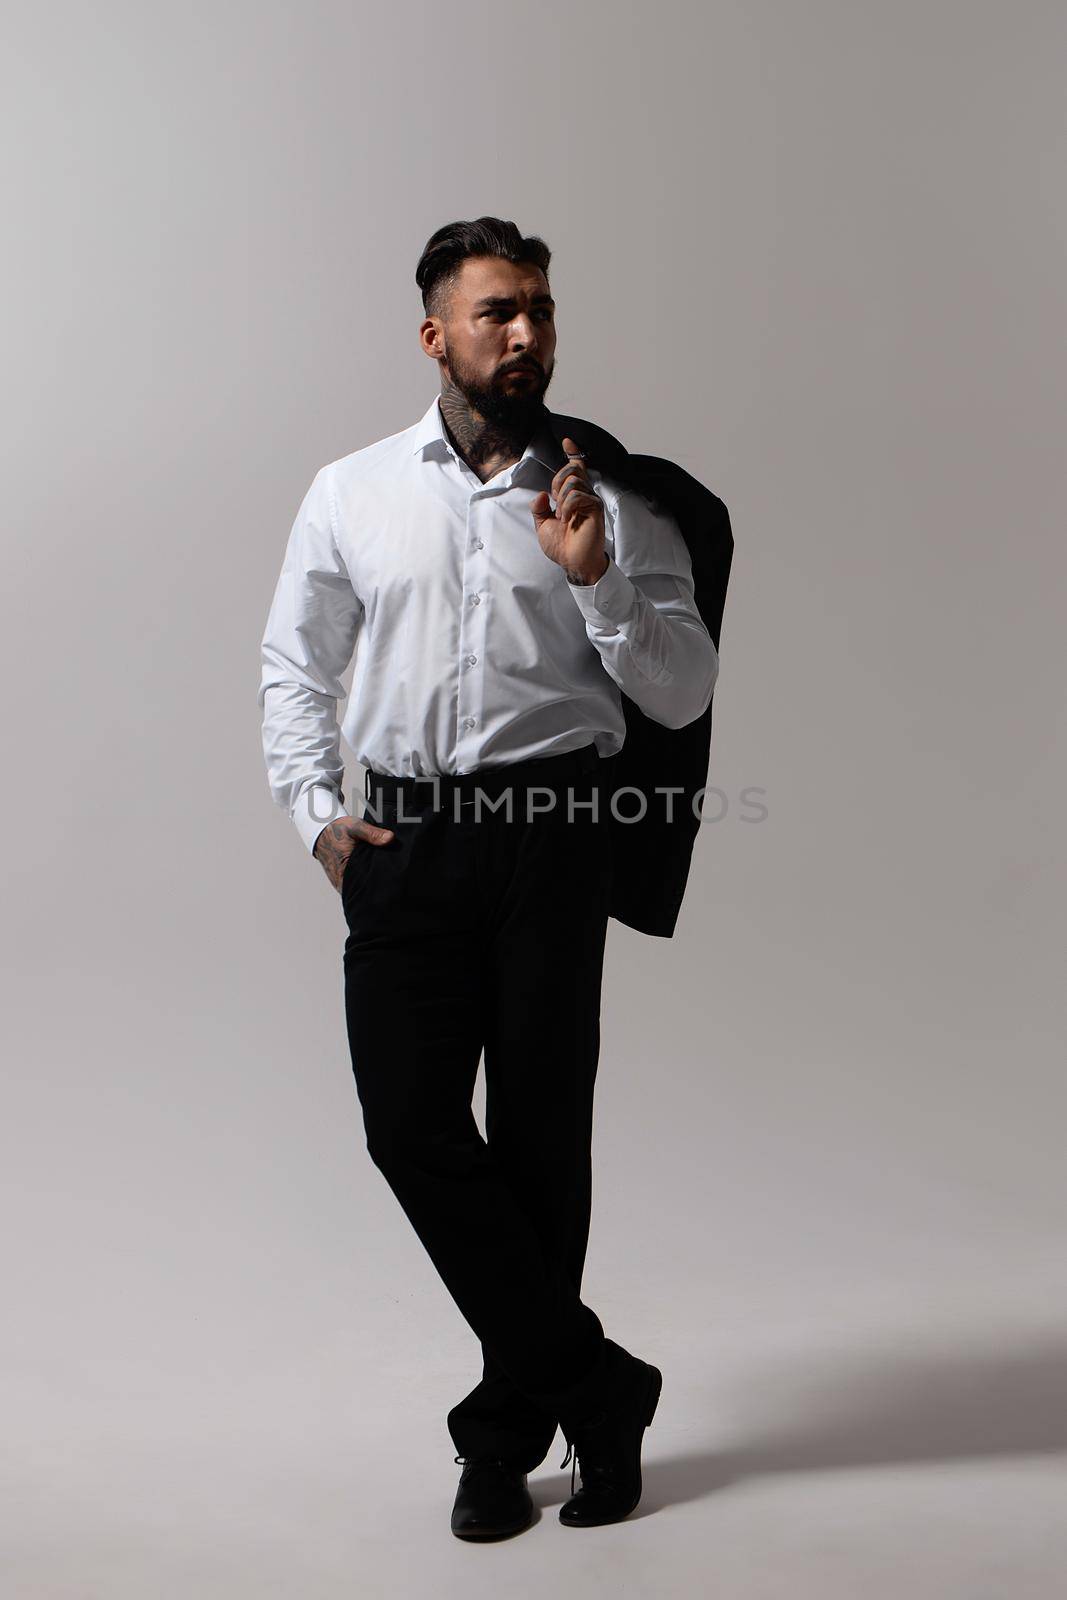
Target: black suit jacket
653,854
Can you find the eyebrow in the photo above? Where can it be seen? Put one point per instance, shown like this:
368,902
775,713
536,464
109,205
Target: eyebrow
492,301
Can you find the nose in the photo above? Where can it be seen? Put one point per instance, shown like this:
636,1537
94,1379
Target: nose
522,334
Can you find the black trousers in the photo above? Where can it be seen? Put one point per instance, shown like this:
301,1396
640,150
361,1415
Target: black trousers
478,930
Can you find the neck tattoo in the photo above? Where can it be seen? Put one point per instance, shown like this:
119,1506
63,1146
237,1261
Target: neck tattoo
486,447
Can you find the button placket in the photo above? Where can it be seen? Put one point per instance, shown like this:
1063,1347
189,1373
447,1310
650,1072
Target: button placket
471,627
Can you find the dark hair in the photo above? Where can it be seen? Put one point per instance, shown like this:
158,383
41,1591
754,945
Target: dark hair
451,245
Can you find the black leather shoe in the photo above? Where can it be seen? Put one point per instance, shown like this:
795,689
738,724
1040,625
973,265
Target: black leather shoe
492,1499
606,1449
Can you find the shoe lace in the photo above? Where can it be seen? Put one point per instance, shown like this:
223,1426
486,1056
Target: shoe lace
583,1458
572,1457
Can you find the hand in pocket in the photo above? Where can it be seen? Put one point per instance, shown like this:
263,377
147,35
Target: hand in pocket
337,841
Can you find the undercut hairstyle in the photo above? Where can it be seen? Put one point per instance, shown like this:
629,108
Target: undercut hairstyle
451,245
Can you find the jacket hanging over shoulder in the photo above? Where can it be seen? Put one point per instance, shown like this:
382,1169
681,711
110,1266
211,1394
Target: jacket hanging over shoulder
653,852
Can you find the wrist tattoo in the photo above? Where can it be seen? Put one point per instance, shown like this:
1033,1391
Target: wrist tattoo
578,580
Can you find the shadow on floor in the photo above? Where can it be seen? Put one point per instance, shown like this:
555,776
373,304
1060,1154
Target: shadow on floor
883,1409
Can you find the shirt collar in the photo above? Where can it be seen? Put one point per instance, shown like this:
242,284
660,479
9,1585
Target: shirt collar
543,446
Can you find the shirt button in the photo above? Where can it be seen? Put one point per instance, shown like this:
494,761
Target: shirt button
478,544
468,722
471,660
476,599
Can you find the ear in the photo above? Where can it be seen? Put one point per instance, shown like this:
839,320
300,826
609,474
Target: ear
430,337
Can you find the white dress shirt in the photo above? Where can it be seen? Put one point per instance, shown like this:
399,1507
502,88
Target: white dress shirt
471,646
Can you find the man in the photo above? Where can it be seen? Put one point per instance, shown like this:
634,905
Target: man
505,597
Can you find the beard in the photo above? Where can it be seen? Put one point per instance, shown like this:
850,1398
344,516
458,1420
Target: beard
512,410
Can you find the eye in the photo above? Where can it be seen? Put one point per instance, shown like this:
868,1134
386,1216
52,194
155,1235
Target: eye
542,311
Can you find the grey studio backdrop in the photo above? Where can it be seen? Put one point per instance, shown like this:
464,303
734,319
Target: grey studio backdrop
812,252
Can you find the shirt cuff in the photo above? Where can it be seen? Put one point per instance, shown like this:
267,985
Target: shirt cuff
610,599
315,806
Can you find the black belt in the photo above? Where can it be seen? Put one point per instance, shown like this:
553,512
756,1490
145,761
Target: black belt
384,787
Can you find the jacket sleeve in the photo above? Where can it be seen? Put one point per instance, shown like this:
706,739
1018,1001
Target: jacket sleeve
642,616
307,644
